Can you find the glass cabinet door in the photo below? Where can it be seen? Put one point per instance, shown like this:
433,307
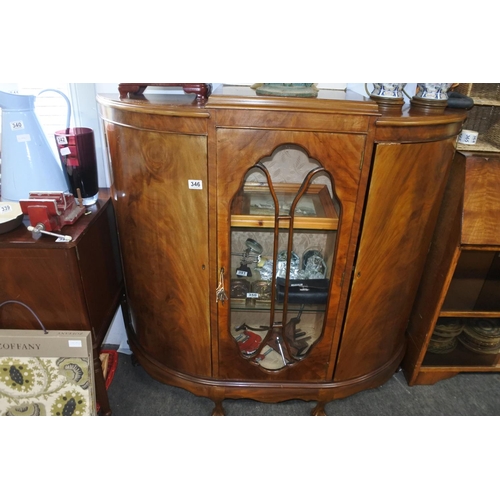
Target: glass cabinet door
282,266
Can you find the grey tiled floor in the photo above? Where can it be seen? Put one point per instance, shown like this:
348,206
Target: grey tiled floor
133,392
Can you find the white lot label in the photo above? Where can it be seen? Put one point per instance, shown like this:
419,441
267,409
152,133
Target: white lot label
194,184
19,125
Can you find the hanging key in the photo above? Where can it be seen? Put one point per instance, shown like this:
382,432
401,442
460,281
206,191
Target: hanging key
220,293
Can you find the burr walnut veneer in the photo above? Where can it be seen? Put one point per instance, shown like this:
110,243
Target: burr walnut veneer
197,186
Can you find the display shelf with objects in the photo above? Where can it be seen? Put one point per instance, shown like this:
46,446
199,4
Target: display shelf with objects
455,323
272,246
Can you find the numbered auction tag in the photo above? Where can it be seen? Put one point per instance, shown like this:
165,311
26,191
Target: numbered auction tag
252,295
195,184
18,125
62,140
5,208
239,272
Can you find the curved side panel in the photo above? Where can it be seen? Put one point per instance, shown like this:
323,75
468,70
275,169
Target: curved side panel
396,235
163,233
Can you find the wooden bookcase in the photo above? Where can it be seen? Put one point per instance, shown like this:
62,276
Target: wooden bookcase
461,279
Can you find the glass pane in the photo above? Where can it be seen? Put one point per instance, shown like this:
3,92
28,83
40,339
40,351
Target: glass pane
272,248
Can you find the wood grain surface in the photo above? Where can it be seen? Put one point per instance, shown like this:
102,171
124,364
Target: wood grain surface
164,238
388,173
481,208
395,239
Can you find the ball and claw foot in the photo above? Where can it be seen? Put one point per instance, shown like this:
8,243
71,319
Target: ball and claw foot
319,410
218,410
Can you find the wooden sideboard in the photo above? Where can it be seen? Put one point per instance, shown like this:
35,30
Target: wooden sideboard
224,205
70,286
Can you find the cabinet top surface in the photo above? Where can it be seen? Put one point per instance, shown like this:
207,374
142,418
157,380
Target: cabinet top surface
245,97
22,238
241,97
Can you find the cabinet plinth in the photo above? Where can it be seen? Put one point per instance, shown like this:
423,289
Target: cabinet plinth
258,280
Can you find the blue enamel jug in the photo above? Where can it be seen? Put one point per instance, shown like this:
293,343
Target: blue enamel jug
28,163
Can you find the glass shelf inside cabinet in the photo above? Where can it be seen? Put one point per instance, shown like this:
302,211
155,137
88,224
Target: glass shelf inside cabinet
282,241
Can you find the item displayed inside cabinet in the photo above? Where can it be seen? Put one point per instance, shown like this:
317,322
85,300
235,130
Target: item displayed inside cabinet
251,255
297,338
312,268
239,288
313,264
481,335
262,290
248,340
308,291
288,343
444,337
254,207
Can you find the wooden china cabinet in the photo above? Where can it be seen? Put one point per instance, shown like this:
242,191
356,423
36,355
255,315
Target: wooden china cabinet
272,246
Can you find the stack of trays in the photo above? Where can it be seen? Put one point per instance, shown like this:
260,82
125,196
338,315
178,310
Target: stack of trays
482,335
444,337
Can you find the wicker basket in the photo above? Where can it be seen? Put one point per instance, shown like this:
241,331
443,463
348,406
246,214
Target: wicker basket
484,117
486,121
489,91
